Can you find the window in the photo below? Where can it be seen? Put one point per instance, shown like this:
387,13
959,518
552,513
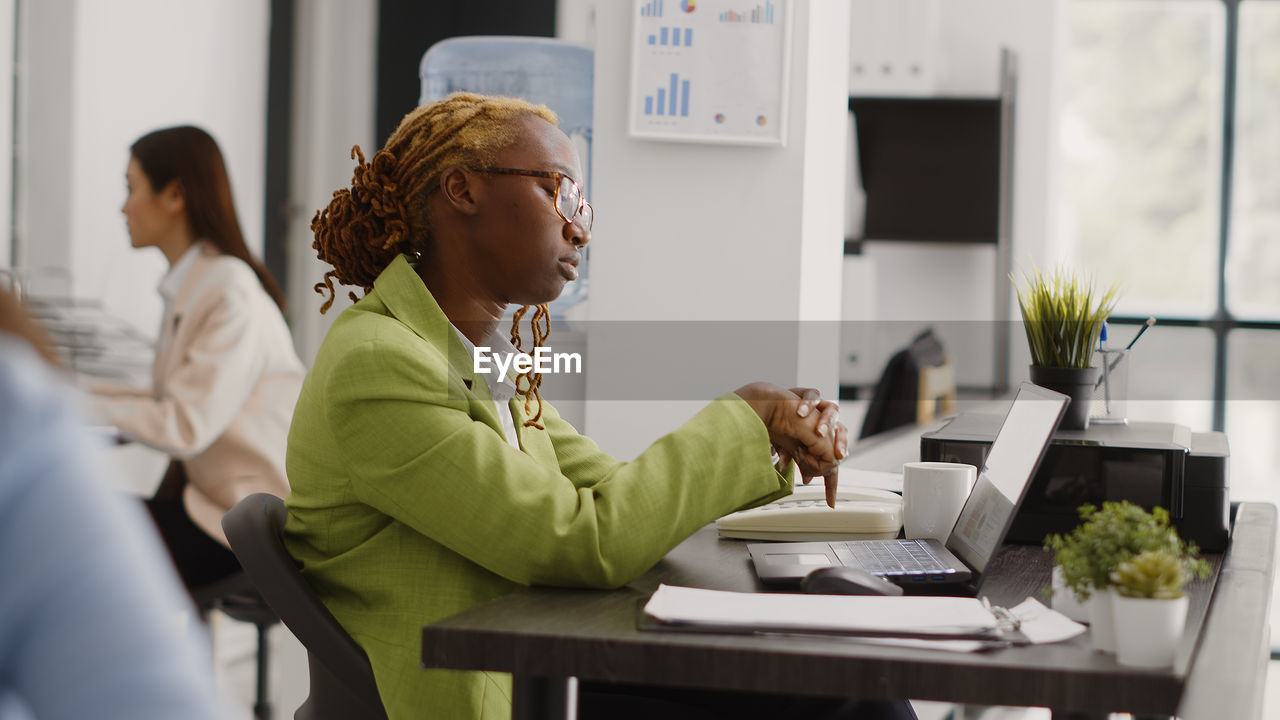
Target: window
1253,394
1168,378
1140,145
1150,87
1254,251
1157,192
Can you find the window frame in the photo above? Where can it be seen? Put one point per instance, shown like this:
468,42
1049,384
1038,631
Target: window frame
1221,322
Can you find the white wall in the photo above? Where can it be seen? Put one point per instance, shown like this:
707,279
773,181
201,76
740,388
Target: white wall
973,32
908,282
7,26
43,155
97,76
697,232
576,21
145,64
104,73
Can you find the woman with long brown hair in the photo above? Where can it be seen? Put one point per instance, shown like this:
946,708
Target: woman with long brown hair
226,375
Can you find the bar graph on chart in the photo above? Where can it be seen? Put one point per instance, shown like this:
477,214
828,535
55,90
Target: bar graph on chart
760,14
710,70
652,8
677,36
672,100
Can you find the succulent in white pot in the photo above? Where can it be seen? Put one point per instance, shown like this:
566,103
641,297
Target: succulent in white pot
1150,604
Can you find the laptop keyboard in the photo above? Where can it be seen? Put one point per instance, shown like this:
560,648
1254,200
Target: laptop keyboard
893,557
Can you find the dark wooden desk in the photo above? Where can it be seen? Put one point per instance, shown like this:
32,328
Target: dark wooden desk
545,635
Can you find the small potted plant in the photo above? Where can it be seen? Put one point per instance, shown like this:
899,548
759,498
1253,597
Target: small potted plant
1063,319
1105,538
1150,607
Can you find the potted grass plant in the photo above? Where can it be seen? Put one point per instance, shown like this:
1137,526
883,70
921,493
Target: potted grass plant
1063,316
1106,538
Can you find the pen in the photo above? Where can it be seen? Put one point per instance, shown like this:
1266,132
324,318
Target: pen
1109,366
1150,321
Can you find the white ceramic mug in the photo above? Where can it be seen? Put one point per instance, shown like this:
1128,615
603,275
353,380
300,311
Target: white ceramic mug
932,495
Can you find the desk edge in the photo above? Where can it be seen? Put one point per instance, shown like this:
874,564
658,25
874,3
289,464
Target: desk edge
1226,679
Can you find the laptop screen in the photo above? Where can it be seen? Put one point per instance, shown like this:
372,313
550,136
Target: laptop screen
1012,461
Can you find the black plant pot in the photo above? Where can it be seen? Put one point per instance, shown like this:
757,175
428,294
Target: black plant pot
1076,383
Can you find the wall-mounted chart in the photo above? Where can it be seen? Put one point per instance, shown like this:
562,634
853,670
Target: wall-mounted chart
710,70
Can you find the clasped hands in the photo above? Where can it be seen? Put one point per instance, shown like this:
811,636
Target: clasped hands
802,427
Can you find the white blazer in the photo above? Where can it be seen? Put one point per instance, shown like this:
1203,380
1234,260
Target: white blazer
226,378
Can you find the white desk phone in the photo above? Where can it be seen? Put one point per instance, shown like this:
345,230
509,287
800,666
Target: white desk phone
859,514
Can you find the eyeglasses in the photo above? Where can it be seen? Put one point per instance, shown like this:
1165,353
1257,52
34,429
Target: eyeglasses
569,202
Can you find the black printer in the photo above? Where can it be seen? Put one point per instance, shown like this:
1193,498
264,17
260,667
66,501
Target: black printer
1147,463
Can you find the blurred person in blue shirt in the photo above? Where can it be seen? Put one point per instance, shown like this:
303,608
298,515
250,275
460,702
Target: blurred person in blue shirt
93,623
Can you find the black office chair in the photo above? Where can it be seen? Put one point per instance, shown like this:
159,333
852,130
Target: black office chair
342,685
237,598
918,381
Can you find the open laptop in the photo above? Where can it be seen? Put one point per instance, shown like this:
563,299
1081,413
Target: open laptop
929,566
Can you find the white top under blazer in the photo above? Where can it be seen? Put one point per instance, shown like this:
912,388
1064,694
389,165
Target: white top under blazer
226,378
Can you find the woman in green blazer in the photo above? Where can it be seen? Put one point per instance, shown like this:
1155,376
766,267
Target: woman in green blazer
420,487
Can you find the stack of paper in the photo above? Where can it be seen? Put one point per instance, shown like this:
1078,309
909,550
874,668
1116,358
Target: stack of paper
930,617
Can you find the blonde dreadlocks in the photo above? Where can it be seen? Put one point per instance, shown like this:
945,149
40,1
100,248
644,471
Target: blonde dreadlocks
384,212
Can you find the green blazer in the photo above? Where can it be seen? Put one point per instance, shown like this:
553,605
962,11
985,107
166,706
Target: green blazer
407,505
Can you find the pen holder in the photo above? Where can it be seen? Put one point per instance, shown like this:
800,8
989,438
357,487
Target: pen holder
1111,395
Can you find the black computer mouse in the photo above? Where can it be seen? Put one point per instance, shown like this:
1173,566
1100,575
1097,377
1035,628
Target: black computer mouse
847,581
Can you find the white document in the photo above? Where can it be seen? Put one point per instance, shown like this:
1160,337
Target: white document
1042,625
852,614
